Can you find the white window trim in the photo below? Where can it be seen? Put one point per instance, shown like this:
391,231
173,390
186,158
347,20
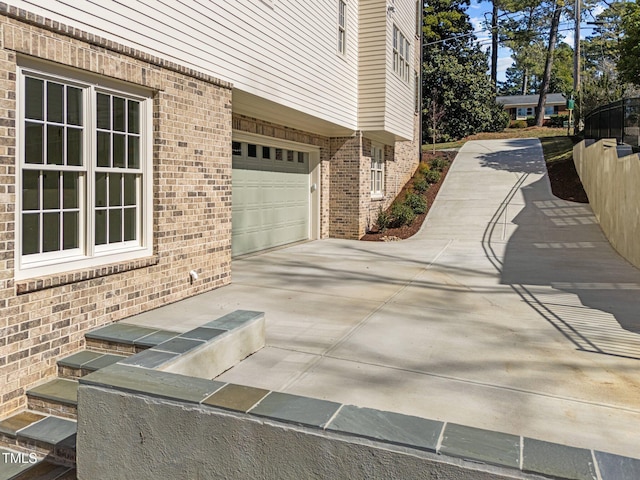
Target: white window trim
377,194
401,48
342,29
87,255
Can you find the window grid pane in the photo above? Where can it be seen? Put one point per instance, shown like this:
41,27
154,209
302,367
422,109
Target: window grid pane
50,220
52,204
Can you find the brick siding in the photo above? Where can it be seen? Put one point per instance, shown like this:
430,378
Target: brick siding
44,318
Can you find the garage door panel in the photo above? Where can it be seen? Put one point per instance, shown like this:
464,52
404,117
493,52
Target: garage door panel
270,201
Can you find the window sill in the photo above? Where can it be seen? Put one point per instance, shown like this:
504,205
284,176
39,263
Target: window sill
56,280
377,197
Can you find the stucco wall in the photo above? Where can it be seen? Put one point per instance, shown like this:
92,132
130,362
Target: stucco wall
127,436
611,183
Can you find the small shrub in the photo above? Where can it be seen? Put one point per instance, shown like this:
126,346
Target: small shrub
402,214
420,185
423,168
557,121
518,124
432,176
417,203
439,164
383,221
531,122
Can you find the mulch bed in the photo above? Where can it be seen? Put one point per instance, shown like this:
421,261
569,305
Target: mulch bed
565,182
407,231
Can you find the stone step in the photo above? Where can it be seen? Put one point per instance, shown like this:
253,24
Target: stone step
16,466
56,397
85,362
124,339
32,436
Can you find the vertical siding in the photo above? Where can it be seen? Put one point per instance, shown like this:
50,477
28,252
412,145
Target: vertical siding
286,53
399,95
371,64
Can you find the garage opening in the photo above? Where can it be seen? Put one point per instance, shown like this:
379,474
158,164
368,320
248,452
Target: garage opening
271,196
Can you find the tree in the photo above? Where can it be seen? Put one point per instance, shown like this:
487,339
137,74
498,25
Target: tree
454,71
546,77
434,114
629,63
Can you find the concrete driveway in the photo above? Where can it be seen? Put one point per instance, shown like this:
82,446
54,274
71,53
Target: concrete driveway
509,311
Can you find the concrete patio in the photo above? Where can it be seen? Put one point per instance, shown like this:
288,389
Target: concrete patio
509,311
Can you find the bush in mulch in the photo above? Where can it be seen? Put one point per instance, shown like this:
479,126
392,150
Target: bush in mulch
407,213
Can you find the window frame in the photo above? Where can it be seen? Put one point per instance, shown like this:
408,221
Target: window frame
377,171
87,254
342,19
401,48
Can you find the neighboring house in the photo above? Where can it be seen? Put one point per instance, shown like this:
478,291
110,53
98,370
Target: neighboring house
140,142
521,107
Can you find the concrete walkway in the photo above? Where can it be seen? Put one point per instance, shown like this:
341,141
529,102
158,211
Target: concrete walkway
509,311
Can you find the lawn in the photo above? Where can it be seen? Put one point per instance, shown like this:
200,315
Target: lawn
530,132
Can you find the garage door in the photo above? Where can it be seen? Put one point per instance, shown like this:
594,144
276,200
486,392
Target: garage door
270,195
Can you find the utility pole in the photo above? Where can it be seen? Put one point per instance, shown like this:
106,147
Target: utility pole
576,50
576,68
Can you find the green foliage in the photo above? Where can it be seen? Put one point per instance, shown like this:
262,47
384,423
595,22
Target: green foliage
423,168
455,76
629,63
438,164
416,202
518,124
383,221
432,176
420,185
401,214
531,122
557,121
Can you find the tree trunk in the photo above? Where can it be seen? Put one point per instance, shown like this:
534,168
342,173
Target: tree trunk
494,45
525,79
546,79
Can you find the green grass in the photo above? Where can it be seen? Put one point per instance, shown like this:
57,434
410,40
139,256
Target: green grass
557,149
531,132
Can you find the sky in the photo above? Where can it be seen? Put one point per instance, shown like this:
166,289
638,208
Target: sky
477,13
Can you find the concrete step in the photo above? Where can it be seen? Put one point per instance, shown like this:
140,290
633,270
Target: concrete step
124,339
85,362
57,397
31,437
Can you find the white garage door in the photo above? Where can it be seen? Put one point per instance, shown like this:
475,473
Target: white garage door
270,197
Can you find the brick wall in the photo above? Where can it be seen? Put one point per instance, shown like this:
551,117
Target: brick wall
44,318
346,187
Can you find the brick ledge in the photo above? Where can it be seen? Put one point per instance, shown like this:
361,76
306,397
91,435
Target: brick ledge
56,280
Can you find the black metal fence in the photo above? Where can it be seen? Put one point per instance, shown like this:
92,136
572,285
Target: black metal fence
619,120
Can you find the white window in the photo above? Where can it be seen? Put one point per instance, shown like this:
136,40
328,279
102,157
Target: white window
377,171
342,27
525,112
84,174
401,49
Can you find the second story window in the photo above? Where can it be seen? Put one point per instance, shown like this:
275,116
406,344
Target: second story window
342,27
401,51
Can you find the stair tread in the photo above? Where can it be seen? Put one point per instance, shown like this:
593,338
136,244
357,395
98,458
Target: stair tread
121,333
51,430
94,361
11,425
43,470
78,359
10,470
59,390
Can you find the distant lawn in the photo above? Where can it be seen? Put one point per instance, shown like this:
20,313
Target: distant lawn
557,149
531,132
